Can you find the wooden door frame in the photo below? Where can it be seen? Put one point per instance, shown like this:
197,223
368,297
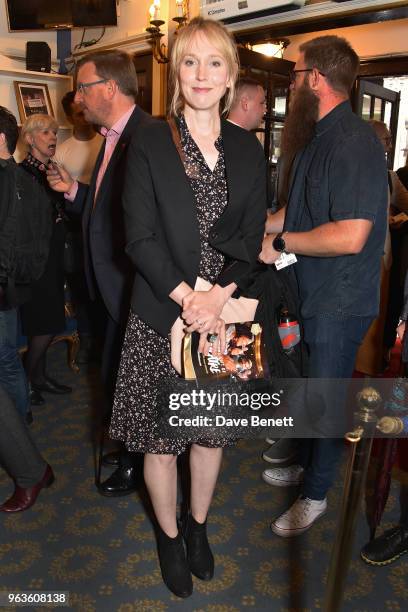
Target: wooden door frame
143,61
380,92
384,67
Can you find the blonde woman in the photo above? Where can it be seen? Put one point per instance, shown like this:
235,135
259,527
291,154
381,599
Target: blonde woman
43,315
203,216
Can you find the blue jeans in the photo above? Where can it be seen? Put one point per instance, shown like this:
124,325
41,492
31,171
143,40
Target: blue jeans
12,375
333,342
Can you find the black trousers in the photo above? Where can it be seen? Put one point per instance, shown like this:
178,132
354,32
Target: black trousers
111,352
18,452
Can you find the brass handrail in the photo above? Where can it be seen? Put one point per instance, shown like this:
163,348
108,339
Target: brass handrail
361,440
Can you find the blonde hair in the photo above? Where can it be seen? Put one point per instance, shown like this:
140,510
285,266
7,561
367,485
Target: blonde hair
218,36
38,121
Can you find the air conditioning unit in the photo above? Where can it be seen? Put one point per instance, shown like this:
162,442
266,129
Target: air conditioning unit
231,11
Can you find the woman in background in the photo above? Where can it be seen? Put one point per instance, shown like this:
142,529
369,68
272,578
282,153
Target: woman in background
373,353
43,316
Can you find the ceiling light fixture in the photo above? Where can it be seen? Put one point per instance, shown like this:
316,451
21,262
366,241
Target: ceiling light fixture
273,48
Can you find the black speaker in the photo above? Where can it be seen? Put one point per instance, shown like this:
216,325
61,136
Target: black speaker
38,56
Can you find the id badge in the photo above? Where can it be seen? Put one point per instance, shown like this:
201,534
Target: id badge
284,260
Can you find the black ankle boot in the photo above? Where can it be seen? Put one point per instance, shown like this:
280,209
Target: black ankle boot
173,563
199,555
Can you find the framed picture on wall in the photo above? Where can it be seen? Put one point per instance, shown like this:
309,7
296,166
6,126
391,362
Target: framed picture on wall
32,98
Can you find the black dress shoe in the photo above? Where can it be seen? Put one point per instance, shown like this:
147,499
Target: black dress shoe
387,547
112,459
199,555
36,399
51,386
123,481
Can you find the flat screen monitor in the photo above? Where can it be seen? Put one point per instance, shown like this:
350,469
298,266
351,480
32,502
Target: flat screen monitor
49,14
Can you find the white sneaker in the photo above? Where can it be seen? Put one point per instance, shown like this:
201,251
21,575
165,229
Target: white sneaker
284,477
299,517
270,441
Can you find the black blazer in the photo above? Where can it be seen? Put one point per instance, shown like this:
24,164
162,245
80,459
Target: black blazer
161,223
107,267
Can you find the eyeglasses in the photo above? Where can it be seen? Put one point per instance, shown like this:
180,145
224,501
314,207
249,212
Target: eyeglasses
293,73
82,87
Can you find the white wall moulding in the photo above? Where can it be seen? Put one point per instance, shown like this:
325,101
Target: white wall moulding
137,43
303,14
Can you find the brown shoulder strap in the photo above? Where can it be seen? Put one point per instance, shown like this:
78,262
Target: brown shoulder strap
176,139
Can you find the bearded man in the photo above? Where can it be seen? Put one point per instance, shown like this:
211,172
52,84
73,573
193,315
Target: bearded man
335,188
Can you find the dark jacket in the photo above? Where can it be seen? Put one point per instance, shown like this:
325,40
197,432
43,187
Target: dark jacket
107,267
25,230
161,223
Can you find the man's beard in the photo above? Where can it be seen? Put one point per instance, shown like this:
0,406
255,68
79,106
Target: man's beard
298,130
301,120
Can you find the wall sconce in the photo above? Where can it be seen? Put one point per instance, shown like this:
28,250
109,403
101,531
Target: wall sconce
155,23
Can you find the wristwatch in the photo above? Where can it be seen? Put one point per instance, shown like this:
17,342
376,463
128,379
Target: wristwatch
279,243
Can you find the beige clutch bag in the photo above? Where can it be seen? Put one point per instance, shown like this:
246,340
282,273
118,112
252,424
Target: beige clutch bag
239,310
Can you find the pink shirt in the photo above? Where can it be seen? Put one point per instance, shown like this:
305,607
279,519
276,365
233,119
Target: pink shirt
112,136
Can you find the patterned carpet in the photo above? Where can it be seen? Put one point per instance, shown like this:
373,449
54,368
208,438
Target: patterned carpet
102,550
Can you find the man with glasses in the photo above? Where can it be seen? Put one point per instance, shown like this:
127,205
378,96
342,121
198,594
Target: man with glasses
106,91
335,186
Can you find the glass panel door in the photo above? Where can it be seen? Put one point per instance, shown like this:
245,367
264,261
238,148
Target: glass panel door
377,102
273,73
